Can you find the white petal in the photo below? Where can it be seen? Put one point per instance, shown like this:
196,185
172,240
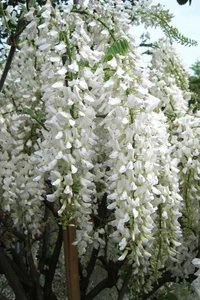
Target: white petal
114,154
67,190
59,155
62,71
109,83
68,145
122,169
59,135
52,197
83,84
73,67
37,178
114,101
73,169
88,98
57,182
135,213
152,103
112,205
165,215
122,244
60,46
196,262
87,164
124,196
46,14
155,190
123,256
72,122
112,197
58,84
44,46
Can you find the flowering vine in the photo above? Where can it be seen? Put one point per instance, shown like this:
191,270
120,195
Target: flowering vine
85,124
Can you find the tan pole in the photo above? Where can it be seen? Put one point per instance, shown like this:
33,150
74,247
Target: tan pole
71,263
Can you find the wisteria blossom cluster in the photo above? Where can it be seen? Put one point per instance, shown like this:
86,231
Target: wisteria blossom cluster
82,127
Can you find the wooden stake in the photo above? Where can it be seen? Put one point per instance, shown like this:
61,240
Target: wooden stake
71,263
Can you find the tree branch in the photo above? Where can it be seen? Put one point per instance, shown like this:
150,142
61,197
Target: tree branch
3,297
166,277
90,267
19,235
45,241
125,283
12,278
50,206
20,270
51,272
109,282
12,40
97,289
35,278
99,220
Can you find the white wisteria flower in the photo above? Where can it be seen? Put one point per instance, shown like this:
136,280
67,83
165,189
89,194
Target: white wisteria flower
103,137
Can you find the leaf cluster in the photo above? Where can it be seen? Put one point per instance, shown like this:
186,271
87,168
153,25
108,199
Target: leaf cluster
174,34
182,2
156,16
194,85
120,46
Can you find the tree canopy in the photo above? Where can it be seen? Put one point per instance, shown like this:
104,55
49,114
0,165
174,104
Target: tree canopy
194,83
182,2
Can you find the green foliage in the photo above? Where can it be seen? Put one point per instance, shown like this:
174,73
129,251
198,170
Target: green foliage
194,84
174,34
169,295
18,2
195,88
182,2
196,69
120,46
155,16
4,285
25,4
174,291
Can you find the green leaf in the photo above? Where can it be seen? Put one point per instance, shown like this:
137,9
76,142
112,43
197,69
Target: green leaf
120,46
171,296
182,2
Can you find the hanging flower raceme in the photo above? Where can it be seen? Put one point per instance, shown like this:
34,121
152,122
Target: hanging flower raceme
90,126
184,136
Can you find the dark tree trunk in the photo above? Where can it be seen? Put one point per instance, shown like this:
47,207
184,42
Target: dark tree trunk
11,276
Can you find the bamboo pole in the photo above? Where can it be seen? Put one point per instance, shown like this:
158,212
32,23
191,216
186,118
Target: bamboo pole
71,255
71,263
